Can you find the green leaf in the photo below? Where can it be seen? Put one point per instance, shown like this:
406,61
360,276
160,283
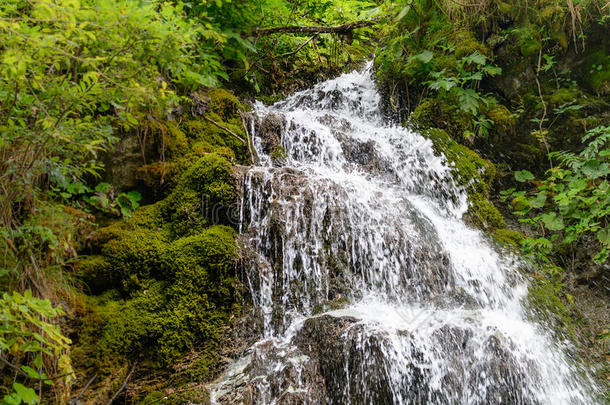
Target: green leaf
30,371
469,100
476,58
594,169
28,395
603,235
552,221
444,84
492,70
12,399
134,196
102,188
523,175
539,201
424,57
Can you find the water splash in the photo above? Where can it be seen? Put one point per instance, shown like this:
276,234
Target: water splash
357,210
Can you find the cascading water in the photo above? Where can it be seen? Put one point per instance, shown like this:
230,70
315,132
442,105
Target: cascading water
371,288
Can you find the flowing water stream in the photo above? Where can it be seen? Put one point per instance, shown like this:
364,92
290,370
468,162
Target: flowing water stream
370,286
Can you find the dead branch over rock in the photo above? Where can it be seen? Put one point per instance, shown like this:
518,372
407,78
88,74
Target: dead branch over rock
336,29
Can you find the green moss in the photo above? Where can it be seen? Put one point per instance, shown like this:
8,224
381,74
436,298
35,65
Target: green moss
147,217
133,256
208,138
471,169
196,259
597,70
184,396
183,213
158,176
225,104
443,114
564,96
545,303
278,154
207,170
132,328
501,117
201,293
483,213
270,99
466,44
95,271
528,39
174,141
205,195
507,237
472,172
163,319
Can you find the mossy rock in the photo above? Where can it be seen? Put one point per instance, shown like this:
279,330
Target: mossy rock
190,307
209,169
208,255
472,172
225,104
508,238
205,195
132,328
208,138
545,304
183,213
146,216
467,44
133,256
482,213
596,70
95,271
175,142
502,118
158,175
437,113
564,96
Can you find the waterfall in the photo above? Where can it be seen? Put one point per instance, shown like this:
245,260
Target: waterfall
370,286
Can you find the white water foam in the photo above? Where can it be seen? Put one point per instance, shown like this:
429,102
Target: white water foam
365,210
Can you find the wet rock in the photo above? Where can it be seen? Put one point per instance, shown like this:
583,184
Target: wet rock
350,374
273,373
121,166
270,132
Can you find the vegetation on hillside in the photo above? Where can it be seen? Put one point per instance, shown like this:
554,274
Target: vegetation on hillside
106,279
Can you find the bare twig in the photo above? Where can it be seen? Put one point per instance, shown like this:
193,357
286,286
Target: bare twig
116,394
211,121
253,157
544,111
23,373
74,401
300,46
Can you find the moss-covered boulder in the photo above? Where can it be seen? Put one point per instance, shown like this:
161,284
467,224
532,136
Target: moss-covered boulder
473,173
163,281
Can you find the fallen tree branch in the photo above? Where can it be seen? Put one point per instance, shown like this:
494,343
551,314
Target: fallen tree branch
116,394
75,400
336,29
300,46
211,121
251,150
